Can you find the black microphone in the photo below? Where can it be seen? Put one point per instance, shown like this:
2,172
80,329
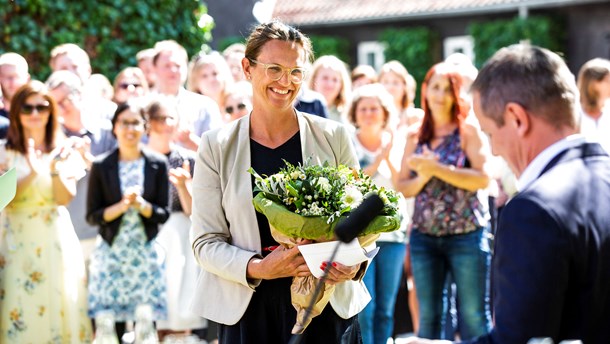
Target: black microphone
349,228
346,230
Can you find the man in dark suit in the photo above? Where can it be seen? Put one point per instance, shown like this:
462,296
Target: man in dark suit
551,269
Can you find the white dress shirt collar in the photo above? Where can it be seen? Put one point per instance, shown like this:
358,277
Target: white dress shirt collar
533,170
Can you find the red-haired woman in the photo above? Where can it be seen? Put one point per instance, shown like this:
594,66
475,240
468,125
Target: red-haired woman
444,169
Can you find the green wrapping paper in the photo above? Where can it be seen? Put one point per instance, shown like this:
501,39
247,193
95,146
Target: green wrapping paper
314,227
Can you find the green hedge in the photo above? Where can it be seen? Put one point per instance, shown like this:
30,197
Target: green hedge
331,45
539,30
111,31
414,48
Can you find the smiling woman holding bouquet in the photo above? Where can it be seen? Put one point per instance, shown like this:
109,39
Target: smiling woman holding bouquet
232,242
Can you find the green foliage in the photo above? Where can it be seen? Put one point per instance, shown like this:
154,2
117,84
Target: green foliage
225,42
111,31
331,45
414,48
539,30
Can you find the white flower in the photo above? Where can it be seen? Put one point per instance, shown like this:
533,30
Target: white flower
294,175
352,197
324,184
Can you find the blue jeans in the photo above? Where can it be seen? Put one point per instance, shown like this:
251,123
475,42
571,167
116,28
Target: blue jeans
382,279
467,258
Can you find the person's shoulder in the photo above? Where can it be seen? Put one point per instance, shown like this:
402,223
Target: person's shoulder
183,153
190,96
309,96
152,155
106,157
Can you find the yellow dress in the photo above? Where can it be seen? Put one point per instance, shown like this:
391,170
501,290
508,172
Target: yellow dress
42,272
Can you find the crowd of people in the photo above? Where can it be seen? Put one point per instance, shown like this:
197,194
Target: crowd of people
150,173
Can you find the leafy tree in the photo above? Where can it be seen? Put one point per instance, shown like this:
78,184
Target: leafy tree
490,36
414,48
111,31
330,45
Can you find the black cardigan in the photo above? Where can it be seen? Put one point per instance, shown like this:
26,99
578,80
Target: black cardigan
105,190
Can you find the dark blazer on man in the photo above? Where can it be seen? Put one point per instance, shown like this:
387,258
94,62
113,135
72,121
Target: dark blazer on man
105,190
551,269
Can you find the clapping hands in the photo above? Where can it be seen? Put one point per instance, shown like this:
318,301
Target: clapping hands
181,176
424,163
37,163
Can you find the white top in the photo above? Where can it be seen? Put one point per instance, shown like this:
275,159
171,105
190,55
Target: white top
597,130
383,178
533,170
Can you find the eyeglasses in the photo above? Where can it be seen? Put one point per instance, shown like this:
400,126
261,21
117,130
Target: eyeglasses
276,72
239,107
136,125
28,109
162,119
125,85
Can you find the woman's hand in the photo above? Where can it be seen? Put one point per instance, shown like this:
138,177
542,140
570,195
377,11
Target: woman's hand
338,272
281,262
33,158
180,176
424,163
59,154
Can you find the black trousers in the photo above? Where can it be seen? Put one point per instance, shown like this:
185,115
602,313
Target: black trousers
270,317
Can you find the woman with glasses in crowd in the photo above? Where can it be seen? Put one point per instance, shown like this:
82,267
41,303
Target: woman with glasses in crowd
42,272
245,284
128,199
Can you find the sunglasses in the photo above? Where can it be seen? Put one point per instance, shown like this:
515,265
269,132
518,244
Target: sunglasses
28,109
240,106
126,85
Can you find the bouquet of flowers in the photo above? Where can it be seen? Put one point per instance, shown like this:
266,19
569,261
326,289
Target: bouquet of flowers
306,202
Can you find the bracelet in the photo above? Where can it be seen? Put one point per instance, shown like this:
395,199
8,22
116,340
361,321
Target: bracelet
54,173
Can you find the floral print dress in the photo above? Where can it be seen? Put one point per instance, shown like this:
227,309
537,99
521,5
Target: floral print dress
131,271
42,271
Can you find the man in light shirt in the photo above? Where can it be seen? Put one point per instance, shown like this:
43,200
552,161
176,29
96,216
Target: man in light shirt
196,112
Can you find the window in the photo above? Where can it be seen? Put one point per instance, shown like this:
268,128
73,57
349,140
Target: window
459,44
371,53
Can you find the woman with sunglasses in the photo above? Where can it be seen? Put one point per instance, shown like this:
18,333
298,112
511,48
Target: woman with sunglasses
238,101
128,199
42,272
129,83
245,280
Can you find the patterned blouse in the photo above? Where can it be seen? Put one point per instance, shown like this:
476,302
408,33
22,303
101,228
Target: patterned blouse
443,209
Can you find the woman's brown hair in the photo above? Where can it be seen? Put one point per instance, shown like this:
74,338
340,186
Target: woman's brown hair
458,110
16,139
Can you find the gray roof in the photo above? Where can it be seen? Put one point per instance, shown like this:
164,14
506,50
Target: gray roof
339,12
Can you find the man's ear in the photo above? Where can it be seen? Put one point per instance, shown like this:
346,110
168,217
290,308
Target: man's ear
517,117
245,65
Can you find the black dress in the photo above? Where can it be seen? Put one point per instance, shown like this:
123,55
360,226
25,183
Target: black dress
270,315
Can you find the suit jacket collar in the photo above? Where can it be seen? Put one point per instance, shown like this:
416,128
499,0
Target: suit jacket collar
310,148
583,151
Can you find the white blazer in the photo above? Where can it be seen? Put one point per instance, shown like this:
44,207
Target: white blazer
225,234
